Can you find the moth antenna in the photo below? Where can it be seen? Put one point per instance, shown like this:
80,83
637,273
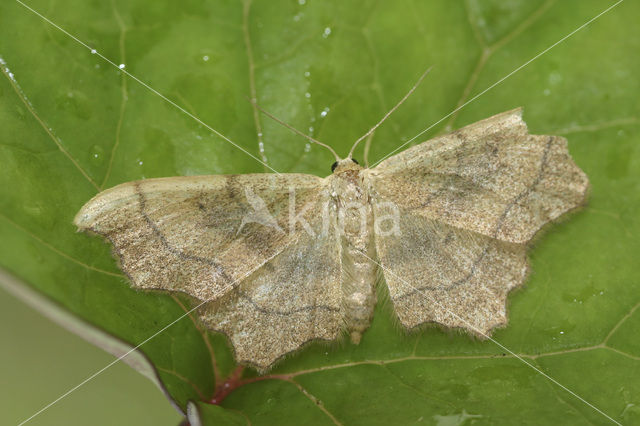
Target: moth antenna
367,148
290,127
373,129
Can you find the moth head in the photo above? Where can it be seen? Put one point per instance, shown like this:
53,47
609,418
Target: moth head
344,165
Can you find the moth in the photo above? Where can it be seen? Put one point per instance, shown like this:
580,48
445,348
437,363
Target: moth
279,260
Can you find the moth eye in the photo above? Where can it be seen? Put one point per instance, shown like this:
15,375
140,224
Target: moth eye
333,166
355,161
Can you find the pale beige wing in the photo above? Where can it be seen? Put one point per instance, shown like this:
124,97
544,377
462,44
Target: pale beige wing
255,247
491,177
439,273
200,235
295,298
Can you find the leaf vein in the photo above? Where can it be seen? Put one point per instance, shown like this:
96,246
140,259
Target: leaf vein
59,252
46,128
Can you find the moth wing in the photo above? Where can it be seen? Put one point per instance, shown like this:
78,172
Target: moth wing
468,202
491,177
293,299
270,285
199,235
438,273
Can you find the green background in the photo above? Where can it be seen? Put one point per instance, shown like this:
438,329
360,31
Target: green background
71,124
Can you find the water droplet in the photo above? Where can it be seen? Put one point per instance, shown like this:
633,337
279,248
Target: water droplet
205,58
311,129
324,112
326,33
307,73
307,147
97,66
302,2
94,51
96,154
259,134
297,17
140,162
261,146
307,95
121,66
546,92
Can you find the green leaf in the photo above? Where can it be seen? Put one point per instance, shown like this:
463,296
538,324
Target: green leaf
71,124
199,413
